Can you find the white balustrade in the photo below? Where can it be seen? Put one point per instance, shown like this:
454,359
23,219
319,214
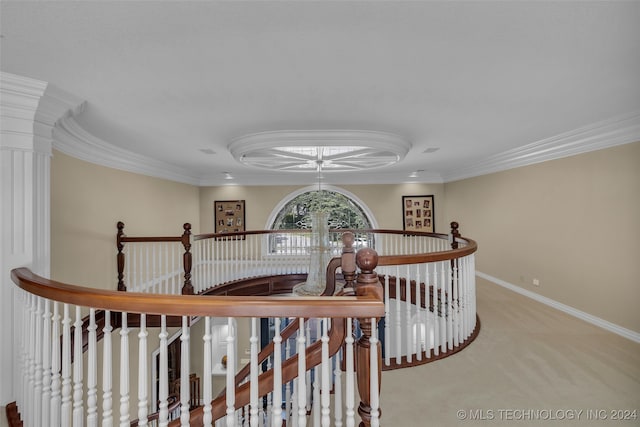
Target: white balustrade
163,390
206,393
107,369
142,372
184,373
92,371
52,383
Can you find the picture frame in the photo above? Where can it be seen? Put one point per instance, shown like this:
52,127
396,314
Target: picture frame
418,213
229,216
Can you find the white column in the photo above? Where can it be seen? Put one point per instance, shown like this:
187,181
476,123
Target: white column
28,111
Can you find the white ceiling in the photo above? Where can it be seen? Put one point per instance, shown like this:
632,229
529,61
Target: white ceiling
491,84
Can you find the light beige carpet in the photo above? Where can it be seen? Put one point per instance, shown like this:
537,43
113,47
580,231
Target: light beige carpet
531,365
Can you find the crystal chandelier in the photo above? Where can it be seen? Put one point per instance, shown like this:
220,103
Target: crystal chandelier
319,248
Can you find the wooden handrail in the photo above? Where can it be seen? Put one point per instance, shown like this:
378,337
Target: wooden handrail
195,305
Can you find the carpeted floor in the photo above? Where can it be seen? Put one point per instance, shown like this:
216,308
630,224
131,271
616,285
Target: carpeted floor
531,365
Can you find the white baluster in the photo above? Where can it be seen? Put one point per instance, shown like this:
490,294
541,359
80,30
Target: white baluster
312,387
65,418
231,370
78,410
206,392
265,417
107,372
436,310
417,325
175,287
387,322
408,328
443,307
163,392
164,263
449,307
316,408
277,376
350,374
143,399
55,368
37,356
30,357
253,392
124,372
374,397
337,386
20,322
455,308
154,270
398,320
287,388
295,420
302,368
427,304
46,365
92,374
184,374
326,376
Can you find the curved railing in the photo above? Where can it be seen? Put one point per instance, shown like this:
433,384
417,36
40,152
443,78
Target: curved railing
428,278
53,388
422,291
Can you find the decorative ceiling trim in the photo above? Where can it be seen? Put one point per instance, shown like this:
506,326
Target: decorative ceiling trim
623,129
19,100
327,150
70,138
73,140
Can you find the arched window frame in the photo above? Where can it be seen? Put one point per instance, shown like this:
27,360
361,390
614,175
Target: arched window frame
285,200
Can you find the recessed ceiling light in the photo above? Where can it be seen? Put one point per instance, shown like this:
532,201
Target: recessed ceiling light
431,150
227,175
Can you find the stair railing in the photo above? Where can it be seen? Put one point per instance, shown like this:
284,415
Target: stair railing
53,390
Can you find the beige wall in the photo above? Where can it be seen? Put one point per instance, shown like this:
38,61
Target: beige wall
88,200
572,223
384,201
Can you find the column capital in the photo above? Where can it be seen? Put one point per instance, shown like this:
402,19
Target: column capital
29,110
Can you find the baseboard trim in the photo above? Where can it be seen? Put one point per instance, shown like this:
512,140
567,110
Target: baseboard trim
604,324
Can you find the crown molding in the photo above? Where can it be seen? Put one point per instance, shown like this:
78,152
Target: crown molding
619,130
19,99
56,104
71,139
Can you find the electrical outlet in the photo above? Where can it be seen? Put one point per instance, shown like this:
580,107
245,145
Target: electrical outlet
536,282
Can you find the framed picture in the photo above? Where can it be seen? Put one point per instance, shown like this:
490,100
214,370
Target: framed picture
229,216
418,213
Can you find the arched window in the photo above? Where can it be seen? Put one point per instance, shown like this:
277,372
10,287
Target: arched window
294,212
343,211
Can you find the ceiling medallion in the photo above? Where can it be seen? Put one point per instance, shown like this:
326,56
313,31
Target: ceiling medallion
314,150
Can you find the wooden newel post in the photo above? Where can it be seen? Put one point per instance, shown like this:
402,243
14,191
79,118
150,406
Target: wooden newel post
455,234
120,257
368,283
348,262
187,289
